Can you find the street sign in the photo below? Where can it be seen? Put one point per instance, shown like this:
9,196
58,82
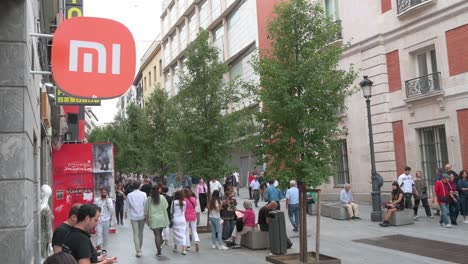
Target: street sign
93,57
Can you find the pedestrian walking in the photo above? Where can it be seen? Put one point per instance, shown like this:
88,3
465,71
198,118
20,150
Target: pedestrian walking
420,185
442,194
156,216
178,219
454,205
214,207
262,182
406,183
102,229
228,213
249,180
166,231
202,190
191,218
463,194
255,187
292,205
135,211
119,204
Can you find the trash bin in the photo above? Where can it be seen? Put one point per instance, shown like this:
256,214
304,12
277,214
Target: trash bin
277,233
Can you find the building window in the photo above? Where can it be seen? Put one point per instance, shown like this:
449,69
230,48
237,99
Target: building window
427,76
175,71
149,78
182,36
434,154
218,42
215,8
144,84
342,168
331,9
192,27
204,15
154,72
160,68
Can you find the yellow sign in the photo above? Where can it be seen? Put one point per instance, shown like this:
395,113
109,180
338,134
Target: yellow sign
64,99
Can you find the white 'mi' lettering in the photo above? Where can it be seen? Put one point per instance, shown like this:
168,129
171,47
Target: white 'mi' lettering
75,45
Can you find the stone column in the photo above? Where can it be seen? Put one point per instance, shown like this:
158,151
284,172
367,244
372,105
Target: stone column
19,131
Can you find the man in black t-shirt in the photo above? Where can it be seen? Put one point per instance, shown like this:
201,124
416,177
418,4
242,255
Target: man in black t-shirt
78,241
62,231
146,188
264,215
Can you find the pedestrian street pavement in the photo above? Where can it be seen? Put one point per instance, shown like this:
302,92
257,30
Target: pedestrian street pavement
337,240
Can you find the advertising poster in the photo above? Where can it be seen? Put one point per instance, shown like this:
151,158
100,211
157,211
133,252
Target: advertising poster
103,168
72,178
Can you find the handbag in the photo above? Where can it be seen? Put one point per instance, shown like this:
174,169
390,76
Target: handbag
171,223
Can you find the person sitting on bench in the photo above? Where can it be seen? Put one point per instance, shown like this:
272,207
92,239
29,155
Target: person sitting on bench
346,198
397,203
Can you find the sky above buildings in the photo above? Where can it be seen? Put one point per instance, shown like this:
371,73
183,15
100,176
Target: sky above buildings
142,19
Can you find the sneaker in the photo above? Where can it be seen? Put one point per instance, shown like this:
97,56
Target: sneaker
159,254
138,254
384,224
431,216
227,241
465,222
448,226
357,218
223,248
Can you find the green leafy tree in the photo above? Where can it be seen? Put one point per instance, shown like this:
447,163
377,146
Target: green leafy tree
202,130
303,93
158,113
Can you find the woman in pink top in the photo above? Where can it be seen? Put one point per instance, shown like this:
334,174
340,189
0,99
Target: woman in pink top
191,218
249,225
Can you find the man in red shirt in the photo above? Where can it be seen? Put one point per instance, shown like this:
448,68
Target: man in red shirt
442,193
250,179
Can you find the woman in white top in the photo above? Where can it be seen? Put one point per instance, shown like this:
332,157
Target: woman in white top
179,223
214,207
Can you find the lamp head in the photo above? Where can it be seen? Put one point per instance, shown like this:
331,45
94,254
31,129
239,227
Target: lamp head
366,86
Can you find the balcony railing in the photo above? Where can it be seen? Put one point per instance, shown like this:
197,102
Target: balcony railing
403,5
423,85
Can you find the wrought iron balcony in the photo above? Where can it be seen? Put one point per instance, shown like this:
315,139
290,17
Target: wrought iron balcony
403,5
423,85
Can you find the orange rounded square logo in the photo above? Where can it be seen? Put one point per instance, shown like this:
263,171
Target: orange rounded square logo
93,57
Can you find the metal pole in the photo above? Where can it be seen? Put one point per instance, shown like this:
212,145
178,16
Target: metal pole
39,35
317,231
376,215
303,224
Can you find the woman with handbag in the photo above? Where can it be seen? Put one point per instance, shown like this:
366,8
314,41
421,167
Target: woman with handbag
248,225
442,193
214,207
156,216
191,218
397,203
228,213
178,223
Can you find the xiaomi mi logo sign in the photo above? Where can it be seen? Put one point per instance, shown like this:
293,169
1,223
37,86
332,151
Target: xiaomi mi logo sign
93,57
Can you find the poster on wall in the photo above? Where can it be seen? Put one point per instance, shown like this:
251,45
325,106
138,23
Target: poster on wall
104,180
103,158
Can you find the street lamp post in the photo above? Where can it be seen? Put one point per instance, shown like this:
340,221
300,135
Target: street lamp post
377,181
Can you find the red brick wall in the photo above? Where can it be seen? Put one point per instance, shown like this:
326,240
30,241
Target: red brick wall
386,5
399,143
393,69
457,49
462,116
264,13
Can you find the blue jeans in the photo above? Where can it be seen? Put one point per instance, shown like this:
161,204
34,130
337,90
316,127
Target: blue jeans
228,227
216,231
444,211
293,212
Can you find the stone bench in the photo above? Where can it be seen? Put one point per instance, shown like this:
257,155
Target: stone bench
256,240
335,211
405,217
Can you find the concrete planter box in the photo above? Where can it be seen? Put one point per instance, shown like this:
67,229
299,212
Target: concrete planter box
294,259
